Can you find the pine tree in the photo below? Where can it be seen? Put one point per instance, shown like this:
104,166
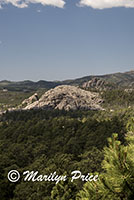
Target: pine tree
64,191
117,180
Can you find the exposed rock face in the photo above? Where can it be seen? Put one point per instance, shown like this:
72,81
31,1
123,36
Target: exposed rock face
96,83
30,100
67,98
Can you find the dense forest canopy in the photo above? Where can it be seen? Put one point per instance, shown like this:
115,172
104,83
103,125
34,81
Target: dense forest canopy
49,141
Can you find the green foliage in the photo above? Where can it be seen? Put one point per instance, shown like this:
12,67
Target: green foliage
48,141
64,191
118,98
117,180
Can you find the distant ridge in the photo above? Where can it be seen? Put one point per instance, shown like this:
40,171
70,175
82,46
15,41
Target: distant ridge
123,80
27,85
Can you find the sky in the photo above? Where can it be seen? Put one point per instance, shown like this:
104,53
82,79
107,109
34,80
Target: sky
65,39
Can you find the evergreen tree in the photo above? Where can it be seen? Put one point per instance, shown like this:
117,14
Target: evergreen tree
117,180
64,191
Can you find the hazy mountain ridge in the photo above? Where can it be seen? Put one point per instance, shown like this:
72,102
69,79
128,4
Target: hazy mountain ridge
125,80
27,85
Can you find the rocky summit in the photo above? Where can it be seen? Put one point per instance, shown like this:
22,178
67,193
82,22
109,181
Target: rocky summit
98,84
67,98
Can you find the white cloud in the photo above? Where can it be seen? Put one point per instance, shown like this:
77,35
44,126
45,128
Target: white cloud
101,4
25,3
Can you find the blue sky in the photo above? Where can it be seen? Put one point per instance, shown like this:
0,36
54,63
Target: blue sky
65,40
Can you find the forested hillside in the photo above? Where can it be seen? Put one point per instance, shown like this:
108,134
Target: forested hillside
48,141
